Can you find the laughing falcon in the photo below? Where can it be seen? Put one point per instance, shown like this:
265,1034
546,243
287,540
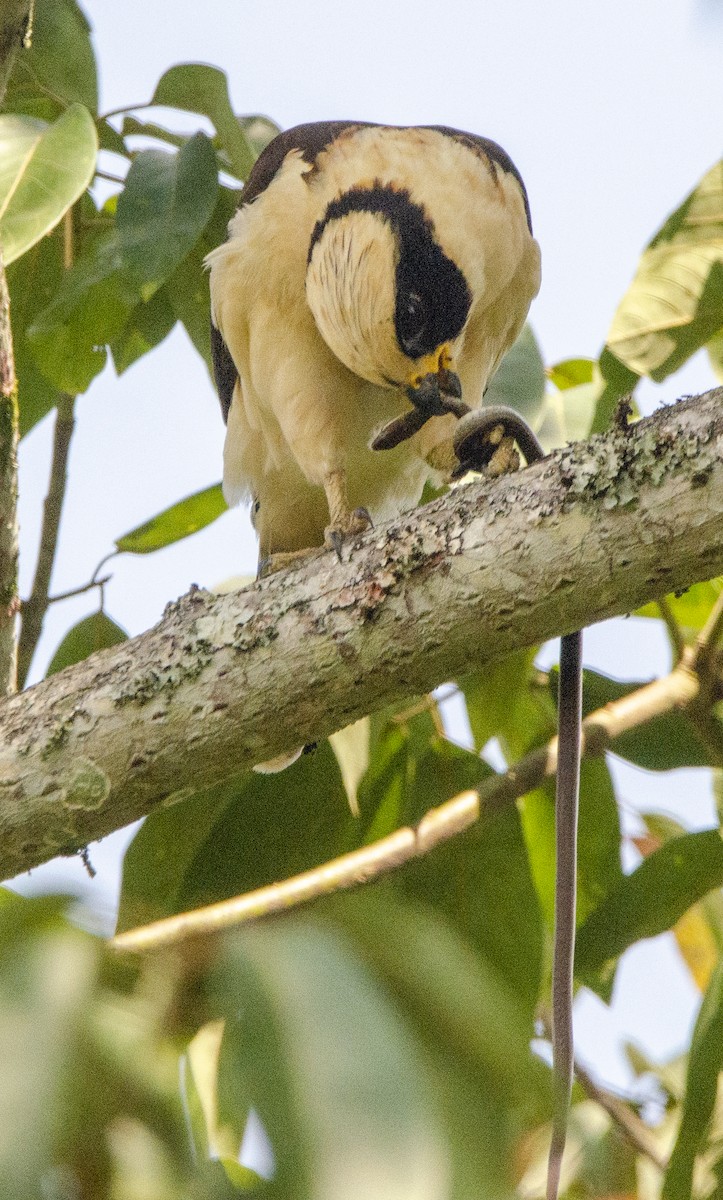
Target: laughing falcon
371,270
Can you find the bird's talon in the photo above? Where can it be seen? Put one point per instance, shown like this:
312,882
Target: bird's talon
334,539
362,519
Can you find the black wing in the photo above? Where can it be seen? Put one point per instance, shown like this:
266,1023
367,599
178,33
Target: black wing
224,370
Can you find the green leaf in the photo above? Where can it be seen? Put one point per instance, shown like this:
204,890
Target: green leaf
174,523
571,372
675,302
599,869
663,744
96,632
45,168
652,898
327,1061
59,68
715,354
133,127
503,701
568,414
147,325
187,289
167,200
520,378
691,609
199,88
704,1065
32,282
450,991
68,338
235,838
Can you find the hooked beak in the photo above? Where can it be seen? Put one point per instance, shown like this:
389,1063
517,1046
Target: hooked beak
435,389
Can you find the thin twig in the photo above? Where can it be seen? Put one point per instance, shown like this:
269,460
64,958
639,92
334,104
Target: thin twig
350,870
78,591
36,605
634,1130
677,640
127,108
361,866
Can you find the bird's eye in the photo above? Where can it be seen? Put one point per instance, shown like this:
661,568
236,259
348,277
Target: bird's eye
412,322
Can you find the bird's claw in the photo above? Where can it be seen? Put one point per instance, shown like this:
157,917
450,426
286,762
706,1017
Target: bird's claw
358,521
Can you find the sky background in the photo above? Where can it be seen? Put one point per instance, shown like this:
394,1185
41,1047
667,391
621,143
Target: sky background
611,111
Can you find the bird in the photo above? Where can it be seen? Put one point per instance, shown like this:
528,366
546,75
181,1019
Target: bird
372,277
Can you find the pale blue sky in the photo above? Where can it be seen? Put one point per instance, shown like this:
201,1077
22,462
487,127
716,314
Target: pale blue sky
612,111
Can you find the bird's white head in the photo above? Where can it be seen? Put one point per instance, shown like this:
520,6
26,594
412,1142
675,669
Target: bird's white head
389,303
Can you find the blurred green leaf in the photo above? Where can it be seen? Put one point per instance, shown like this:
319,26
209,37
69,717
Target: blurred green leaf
663,744
174,523
59,67
133,127
692,609
705,1063
599,869
187,288
235,838
147,325
45,168
652,898
32,282
96,632
568,415
571,372
329,1065
675,302
455,996
68,338
167,200
519,381
505,701
199,88
715,355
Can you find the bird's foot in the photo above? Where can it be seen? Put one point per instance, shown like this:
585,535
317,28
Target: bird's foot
356,522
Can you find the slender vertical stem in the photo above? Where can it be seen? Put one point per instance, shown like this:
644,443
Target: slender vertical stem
36,605
8,496
566,816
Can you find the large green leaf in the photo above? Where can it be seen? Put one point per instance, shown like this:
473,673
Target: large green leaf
520,378
167,200
68,338
178,521
599,869
504,701
705,1063
147,325
331,1068
652,898
32,282
187,288
59,67
675,302
663,744
232,839
199,88
43,171
96,632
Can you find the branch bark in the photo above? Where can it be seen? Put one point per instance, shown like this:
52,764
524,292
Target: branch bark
225,681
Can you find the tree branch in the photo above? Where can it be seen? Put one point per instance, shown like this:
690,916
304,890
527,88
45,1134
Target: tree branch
678,690
225,681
